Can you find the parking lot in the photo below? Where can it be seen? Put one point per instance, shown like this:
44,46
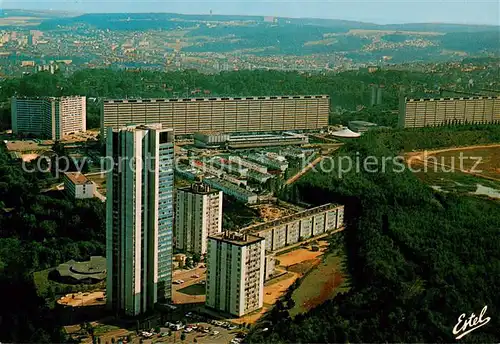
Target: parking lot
192,288
197,328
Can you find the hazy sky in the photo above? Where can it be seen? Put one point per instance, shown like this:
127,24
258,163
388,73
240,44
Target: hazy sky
382,12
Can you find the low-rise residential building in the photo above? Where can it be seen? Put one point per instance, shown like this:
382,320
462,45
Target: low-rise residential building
235,273
77,186
274,164
249,164
229,167
259,177
232,190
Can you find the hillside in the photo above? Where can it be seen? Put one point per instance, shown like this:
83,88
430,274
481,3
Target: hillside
256,35
418,258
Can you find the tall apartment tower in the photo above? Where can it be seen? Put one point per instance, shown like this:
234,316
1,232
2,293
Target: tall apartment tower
198,214
49,117
235,273
139,217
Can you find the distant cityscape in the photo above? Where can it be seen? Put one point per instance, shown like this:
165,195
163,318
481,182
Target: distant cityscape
170,42
182,178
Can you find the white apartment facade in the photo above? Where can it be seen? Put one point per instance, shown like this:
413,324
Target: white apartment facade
139,217
198,214
235,273
77,186
48,117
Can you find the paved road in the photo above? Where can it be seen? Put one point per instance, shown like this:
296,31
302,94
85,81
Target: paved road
100,196
185,275
57,187
304,170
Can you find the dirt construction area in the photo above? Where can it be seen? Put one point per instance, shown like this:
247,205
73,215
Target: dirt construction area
83,299
299,255
292,265
271,212
481,160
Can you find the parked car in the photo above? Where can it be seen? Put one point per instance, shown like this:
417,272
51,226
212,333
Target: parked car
215,333
177,327
195,276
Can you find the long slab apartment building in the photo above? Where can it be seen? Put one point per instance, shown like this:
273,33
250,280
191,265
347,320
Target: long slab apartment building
298,227
238,263
417,113
228,115
48,117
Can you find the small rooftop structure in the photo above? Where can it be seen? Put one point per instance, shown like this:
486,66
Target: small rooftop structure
236,238
345,133
199,187
88,272
361,126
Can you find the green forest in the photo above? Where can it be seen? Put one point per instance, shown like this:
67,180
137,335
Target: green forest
347,90
418,259
38,231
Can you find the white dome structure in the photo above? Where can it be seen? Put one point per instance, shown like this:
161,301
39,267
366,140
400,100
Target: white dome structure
345,133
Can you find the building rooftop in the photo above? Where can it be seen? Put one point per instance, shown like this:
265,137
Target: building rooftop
363,123
345,133
409,99
199,188
150,100
77,178
46,97
231,186
236,238
289,218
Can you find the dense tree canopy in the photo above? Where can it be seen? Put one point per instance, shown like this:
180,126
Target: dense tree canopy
38,232
418,259
347,90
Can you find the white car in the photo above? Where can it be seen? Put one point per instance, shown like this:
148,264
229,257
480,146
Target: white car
176,327
215,333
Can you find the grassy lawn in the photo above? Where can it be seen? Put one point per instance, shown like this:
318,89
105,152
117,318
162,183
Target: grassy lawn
321,284
103,329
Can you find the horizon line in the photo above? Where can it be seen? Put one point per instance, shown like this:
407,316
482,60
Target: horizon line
77,13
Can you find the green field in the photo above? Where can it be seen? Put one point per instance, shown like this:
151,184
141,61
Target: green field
321,284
